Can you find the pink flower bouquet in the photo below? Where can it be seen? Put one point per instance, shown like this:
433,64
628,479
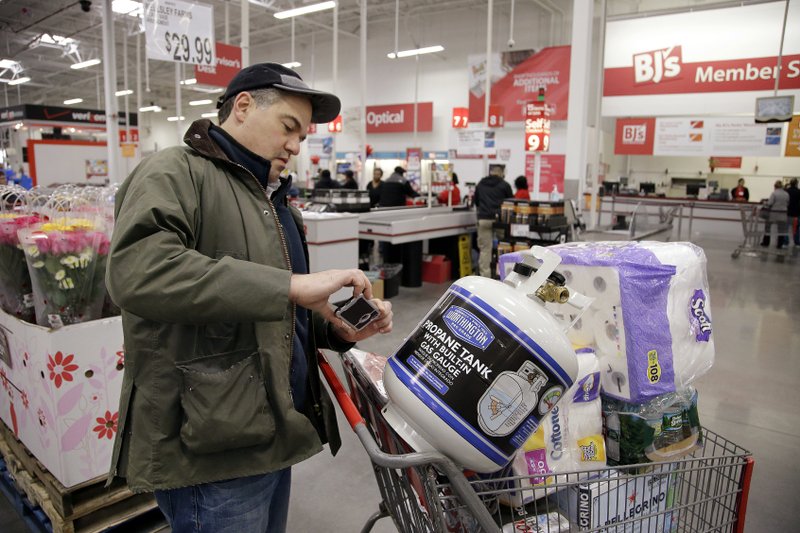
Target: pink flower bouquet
67,263
16,294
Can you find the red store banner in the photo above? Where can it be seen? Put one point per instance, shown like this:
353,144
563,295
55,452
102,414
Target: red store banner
496,116
635,136
521,81
724,162
460,117
396,118
551,171
335,126
229,62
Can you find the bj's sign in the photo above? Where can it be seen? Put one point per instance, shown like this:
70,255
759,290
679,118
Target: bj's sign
396,118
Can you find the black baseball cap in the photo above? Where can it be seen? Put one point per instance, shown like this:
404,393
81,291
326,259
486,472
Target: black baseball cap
324,106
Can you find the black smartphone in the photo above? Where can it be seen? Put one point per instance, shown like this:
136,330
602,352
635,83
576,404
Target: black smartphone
358,312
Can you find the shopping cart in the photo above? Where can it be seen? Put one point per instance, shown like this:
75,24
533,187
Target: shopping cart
426,492
754,220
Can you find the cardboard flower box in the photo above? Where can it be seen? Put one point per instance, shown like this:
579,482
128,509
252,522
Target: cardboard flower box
60,393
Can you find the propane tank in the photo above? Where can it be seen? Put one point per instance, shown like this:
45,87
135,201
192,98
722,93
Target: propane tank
485,365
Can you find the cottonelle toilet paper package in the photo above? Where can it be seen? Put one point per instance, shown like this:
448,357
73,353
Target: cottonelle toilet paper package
570,439
651,319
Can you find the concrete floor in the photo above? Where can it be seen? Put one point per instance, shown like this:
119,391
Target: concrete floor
749,396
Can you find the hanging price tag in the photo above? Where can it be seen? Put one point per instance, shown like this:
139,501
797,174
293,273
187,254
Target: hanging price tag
460,117
496,116
537,127
179,31
335,126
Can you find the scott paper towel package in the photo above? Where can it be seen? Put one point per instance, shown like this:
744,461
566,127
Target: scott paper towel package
651,319
570,439
665,428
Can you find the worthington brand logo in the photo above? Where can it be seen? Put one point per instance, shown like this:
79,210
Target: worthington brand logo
468,327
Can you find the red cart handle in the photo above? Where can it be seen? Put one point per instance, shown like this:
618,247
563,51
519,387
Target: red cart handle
348,407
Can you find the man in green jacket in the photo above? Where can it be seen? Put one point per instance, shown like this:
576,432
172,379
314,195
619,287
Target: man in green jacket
221,319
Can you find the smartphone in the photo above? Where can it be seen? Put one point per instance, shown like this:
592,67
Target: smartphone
358,312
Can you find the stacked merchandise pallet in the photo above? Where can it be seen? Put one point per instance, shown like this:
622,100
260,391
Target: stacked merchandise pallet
526,223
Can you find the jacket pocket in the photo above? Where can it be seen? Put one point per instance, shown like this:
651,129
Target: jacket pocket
224,403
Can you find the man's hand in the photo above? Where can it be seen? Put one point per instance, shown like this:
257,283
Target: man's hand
382,324
313,290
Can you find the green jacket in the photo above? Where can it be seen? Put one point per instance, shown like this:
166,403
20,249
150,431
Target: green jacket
200,268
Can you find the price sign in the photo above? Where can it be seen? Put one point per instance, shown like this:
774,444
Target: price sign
336,125
460,117
496,116
537,127
179,31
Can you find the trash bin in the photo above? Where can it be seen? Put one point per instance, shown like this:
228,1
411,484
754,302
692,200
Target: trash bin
390,274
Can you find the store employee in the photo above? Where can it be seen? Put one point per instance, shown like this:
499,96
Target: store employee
221,319
741,193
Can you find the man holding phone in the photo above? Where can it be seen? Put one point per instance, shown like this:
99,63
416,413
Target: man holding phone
221,318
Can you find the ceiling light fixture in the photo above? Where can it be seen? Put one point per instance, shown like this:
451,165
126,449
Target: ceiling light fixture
207,90
292,64
190,81
124,92
416,52
7,63
210,114
84,64
153,108
17,81
73,101
127,7
201,102
175,119
313,8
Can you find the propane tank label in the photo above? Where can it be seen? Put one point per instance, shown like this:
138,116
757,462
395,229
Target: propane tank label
484,377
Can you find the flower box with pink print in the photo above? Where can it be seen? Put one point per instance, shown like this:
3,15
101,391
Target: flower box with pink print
60,393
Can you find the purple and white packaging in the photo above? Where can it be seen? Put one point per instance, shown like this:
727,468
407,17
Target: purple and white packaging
651,321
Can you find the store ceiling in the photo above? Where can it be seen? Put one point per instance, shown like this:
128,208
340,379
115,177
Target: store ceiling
26,24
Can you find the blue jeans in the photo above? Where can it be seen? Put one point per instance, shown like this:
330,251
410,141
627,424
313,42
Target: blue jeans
257,504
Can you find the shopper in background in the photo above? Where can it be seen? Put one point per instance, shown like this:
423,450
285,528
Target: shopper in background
349,180
740,193
451,193
793,211
777,205
373,187
395,189
325,181
489,195
521,183
221,319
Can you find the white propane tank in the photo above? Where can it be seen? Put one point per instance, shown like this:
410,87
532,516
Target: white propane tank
485,365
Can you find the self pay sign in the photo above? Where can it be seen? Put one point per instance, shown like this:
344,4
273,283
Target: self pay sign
179,31
537,127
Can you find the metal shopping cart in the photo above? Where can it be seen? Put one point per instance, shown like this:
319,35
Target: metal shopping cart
754,226
426,492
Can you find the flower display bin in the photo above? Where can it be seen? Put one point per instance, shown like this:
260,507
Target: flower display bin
60,393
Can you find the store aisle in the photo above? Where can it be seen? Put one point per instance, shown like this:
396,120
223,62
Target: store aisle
749,397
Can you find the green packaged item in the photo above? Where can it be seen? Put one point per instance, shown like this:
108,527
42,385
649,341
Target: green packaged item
665,428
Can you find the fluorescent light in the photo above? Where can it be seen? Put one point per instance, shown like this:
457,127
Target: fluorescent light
127,7
73,101
153,108
417,52
304,10
175,119
7,63
201,102
49,38
211,114
124,92
207,90
190,81
292,64
84,64
17,81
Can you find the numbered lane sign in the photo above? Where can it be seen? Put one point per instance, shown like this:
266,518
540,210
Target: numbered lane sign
496,116
179,31
537,127
460,117
335,126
